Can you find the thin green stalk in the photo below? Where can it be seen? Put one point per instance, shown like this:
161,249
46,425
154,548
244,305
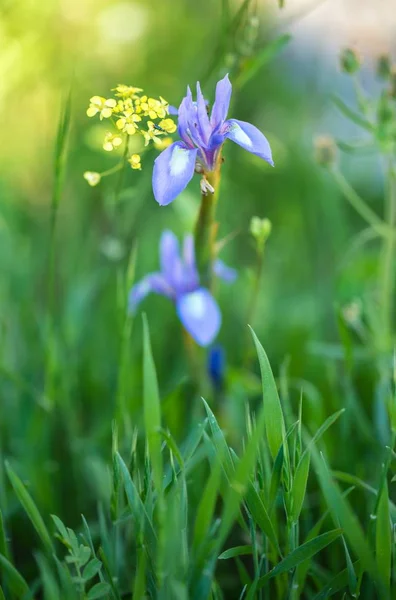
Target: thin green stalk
360,206
387,264
59,170
205,229
121,169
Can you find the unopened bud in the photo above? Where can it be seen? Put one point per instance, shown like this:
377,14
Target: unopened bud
260,229
325,150
384,66
92,178
350,61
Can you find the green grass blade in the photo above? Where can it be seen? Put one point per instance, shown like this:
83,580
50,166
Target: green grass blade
30,508
261,59
136,505
220,442
207,504
275,478
15,581
300,554
337,584
49,583
383,538
274,422
342,513
2,597
236,551
299,485
3,539
351,114
152,408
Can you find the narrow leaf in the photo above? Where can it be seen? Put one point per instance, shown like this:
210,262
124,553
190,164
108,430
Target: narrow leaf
300,554
15,581
274,423
236,551
300,485
383,539
30,508
152,410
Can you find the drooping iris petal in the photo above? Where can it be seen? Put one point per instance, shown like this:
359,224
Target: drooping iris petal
173,170
191,276
202,114
222,102
154,282
249,137
220,269
200,315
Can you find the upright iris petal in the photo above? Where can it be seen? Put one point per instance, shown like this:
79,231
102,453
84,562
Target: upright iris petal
173,170
222,102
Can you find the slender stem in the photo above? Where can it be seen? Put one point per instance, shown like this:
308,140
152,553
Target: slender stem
122,171
256,286
360,206
387,265
205,229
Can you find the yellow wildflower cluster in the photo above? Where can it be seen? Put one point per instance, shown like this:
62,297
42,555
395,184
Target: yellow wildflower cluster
132,112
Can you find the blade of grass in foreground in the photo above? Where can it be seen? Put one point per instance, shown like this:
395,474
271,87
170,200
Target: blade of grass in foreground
383,541
303,552
30,508
342,513
274,422
15,581
152,409
59,171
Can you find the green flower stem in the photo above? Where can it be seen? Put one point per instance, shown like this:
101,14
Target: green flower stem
387,264
122,171
360,206
206,228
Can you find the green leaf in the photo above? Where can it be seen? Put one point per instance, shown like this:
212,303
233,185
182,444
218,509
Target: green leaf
299,485
383,538
262,58
60,527
303,552
220,442
236,551
2,597
136,505
351,114
152,408
92,569
98,591
50,585
207,504
30,508
337,584
342,513
260,515
274,422
325,426
15,581
275,477
3,541
139,586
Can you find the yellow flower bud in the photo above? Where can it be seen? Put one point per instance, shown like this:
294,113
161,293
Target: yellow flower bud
134,161
92,178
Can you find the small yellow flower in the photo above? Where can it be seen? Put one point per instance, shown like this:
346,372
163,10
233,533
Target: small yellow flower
168,125
152,133
111,141
92,178
127,123
163,143
102,106
127,91
134,161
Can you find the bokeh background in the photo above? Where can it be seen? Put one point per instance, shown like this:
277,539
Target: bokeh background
85,47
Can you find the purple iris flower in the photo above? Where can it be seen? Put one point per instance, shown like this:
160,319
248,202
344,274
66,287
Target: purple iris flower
178,280
202,137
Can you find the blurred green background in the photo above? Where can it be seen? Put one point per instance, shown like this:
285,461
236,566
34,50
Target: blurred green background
85,47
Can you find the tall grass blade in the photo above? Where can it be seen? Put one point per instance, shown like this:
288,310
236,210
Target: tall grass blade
15,581
30,508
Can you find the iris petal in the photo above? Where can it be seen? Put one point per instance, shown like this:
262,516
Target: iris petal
249,137
173,170
222,102
223,271
154,282
200,315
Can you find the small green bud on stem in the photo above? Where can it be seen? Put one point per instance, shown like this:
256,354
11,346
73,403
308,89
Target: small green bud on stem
350,61
384,66
260,230
325,150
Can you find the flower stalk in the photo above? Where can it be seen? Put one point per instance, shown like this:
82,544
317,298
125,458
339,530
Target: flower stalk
206,227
